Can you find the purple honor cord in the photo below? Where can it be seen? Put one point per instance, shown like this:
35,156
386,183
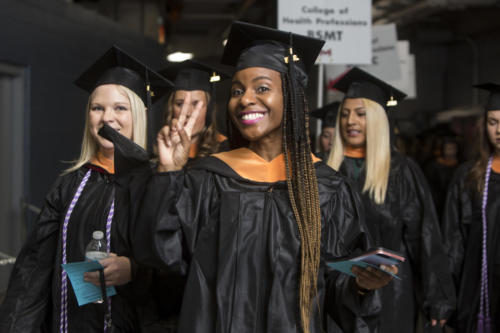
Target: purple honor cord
107,318
483,318
63,326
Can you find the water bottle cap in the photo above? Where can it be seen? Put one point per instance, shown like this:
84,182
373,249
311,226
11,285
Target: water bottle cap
97,235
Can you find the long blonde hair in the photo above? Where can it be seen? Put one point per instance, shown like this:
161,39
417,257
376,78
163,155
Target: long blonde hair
378,150
90,146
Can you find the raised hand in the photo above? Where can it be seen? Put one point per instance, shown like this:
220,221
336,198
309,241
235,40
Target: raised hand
174,141
435,322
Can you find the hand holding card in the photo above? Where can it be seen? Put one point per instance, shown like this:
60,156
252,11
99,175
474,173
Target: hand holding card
378,258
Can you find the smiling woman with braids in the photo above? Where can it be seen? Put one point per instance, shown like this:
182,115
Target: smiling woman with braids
253,227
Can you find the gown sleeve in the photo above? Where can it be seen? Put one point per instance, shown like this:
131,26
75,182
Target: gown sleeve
346,235
175,205
422,236
28,296
457,213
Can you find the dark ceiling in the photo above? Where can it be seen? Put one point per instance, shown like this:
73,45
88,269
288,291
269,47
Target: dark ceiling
199,26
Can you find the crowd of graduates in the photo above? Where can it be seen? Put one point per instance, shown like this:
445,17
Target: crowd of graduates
208,232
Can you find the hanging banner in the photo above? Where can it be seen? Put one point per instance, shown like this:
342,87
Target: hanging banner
345,26
385,57
407,82
404,65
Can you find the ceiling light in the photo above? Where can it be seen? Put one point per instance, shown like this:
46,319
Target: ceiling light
179,56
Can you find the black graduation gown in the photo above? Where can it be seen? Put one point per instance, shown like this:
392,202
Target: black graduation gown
322,155
439,176
407,223
171,286
238,242
462,231
32,302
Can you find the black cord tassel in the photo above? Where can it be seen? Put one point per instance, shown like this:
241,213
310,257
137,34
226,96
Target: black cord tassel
149,115
107,315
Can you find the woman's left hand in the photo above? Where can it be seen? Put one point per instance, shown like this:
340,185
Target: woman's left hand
117,271
441,322
371,278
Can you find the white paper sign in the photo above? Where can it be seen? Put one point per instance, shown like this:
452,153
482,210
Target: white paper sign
385,57
405,64
345,25
407,82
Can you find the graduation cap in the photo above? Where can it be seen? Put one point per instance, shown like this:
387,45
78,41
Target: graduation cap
250,45
327,113
118,67
494,97
357,83
193,75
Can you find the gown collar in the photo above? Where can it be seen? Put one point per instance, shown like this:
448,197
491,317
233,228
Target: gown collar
105,163
193,150
495,166
447,162
355,152
249,165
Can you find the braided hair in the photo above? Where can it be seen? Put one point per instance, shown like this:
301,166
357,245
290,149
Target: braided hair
303,193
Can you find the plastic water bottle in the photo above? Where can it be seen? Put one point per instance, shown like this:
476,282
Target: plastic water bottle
96,250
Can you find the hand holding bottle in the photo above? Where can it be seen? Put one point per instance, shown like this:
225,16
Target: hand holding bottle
117,271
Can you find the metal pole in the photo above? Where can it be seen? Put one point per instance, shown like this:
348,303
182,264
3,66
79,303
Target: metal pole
319,101
321,69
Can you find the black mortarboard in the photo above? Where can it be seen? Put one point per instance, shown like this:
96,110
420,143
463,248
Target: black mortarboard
118,67
494,98
327,113
250,45
193,75
359,84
